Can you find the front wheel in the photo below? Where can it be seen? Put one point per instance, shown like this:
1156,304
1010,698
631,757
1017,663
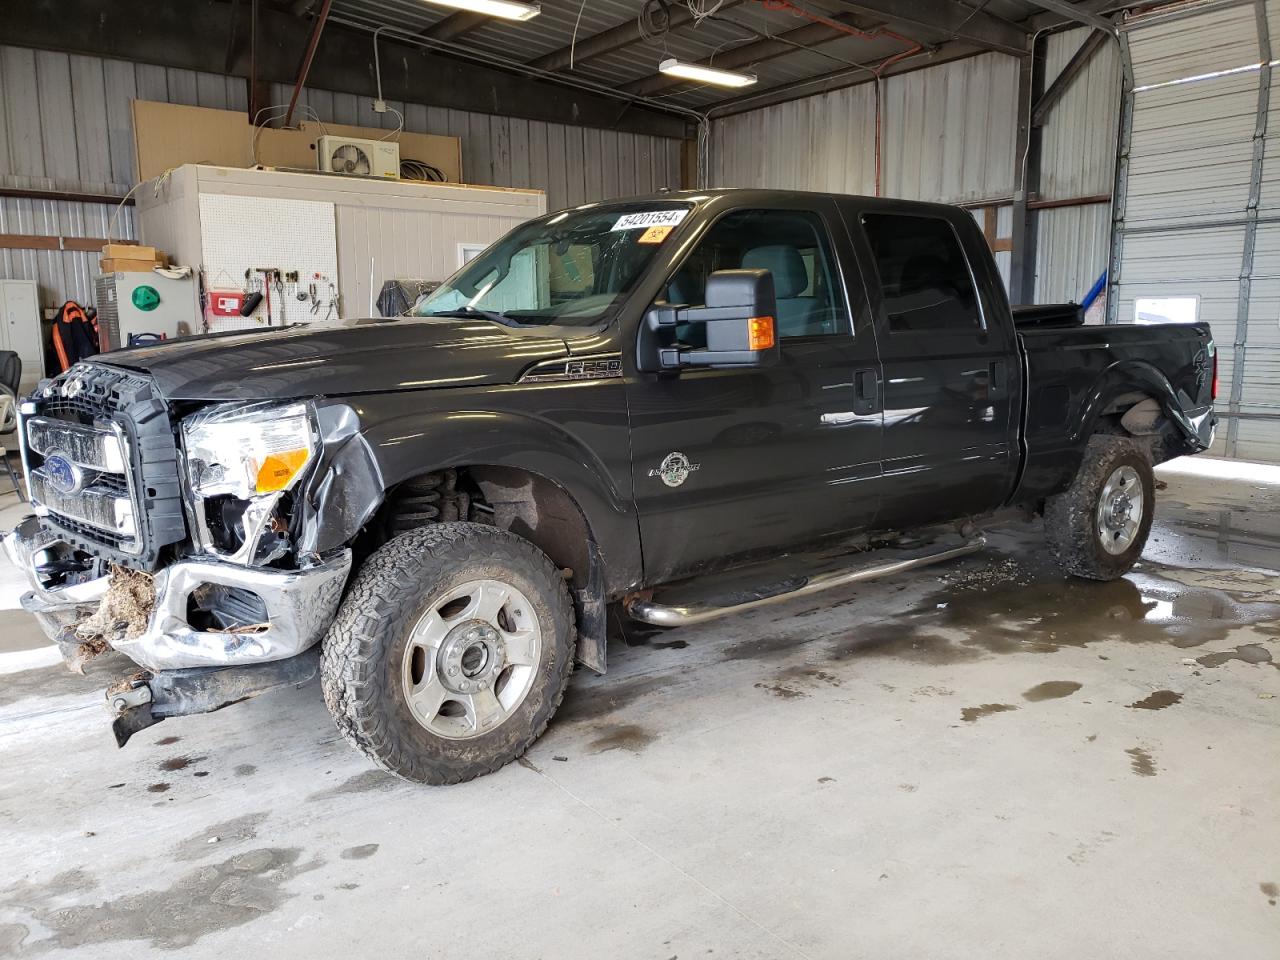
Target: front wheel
450,652
1097,527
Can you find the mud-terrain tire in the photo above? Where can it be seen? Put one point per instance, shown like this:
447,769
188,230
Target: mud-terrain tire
1097,527
426,615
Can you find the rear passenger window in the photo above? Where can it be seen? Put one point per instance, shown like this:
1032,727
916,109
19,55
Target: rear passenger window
923,273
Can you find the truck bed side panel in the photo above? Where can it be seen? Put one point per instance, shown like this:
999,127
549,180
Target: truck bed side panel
1074,374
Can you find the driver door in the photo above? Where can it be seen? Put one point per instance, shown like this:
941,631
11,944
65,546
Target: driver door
730,462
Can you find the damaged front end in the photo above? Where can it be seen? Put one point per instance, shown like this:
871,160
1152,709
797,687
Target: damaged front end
234,608
259,627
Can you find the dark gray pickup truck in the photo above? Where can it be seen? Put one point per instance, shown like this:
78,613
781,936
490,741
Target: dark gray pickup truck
435,512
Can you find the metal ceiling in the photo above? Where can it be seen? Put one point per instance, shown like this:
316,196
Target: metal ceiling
737,34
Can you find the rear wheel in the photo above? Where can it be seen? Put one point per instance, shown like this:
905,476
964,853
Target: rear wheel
1098,526
450,653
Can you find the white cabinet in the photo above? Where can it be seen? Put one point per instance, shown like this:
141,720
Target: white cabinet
20,328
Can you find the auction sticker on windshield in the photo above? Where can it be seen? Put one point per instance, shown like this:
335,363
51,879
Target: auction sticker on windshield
649,218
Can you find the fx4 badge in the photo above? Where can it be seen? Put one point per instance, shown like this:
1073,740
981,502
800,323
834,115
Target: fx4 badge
675,469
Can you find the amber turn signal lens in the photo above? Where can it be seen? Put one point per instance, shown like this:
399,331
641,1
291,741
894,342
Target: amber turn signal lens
760,335
278,469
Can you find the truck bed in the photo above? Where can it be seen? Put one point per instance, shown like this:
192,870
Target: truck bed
1067,369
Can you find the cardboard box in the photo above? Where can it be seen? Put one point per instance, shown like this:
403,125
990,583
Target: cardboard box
127,251
118,265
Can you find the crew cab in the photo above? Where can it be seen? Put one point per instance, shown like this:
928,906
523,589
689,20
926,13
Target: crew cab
610,406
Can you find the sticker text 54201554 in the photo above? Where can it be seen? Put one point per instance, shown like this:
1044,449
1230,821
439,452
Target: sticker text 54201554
649,218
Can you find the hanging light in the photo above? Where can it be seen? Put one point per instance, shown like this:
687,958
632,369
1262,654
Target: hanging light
696,71
506,9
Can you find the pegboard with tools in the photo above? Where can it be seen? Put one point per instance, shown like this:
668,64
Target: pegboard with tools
268,262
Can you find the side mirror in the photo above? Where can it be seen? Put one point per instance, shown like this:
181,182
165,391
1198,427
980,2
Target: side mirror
739,318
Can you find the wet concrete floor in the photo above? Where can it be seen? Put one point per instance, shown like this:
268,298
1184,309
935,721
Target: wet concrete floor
981,759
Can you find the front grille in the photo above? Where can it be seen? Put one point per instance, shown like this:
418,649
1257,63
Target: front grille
100,507
102,464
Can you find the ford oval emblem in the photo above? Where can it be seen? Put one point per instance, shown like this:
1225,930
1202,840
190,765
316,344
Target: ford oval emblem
64,476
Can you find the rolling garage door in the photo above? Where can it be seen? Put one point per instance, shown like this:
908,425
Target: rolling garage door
1198,201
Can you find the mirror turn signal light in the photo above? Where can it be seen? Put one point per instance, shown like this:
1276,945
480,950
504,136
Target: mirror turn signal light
760,333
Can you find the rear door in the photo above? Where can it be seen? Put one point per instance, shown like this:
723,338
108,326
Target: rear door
947,350
735,461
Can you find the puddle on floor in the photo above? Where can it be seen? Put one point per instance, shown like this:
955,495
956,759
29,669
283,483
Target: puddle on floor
1157,701
974,714
215,897
1246,653
1051,690
1246,534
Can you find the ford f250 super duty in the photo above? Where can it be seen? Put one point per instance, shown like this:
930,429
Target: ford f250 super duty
612,405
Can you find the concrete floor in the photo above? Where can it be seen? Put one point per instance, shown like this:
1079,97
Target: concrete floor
979,760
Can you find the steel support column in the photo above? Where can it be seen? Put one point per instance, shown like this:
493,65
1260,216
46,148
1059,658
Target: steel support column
1119,193
1240,347
1022,267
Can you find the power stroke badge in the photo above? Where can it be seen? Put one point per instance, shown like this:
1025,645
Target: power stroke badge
675,469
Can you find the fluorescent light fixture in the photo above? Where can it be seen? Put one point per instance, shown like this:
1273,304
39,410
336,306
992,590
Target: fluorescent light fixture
506,9
694,71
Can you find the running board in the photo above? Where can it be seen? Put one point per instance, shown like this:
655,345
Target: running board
664,615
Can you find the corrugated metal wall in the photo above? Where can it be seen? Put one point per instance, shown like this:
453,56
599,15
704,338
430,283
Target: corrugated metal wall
948,134
1200,217
824,142
1077,159
66,124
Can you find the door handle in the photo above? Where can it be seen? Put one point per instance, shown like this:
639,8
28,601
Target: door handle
866,391
844,416
997,379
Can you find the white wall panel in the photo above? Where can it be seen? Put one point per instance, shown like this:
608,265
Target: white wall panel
825,142
947,132
1073,245
1078,139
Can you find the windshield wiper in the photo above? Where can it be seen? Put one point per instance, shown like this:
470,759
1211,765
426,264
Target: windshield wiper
470,312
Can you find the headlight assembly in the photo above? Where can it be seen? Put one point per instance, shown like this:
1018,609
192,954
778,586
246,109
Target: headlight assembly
247,451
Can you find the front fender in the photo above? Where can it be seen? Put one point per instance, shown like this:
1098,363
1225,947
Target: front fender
394,444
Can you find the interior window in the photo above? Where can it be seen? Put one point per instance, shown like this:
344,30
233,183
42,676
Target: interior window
792,245
923,274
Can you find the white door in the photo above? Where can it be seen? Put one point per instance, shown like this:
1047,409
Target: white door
1196,234
22,329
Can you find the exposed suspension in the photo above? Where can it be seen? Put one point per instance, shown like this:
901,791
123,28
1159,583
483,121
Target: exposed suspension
431,498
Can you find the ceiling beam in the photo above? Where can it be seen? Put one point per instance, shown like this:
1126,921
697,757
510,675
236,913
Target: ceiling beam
176,35
1079,13
304,68
757,51
455,25
944,20
615,38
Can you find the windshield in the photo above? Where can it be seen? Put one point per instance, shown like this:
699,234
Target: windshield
570,269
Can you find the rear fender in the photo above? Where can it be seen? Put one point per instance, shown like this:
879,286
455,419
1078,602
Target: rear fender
1135,377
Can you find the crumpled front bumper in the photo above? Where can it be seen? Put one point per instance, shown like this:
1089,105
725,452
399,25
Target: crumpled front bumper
300,605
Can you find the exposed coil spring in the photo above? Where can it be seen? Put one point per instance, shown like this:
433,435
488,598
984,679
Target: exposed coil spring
431,498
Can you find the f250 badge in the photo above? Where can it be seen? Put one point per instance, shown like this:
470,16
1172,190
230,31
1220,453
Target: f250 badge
675,469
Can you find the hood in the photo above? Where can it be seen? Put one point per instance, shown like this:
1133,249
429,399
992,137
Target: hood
339,358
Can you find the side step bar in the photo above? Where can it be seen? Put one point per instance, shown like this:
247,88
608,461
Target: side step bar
663,615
